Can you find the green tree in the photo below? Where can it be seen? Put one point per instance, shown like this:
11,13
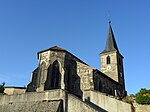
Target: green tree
143,96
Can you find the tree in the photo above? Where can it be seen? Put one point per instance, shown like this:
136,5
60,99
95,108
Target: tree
2,87
143,96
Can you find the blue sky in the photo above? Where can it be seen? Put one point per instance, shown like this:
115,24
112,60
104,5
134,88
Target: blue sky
80,26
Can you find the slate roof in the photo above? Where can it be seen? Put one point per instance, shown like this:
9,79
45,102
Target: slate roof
57,48
111,44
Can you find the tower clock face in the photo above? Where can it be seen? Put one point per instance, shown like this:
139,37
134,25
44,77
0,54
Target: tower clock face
109,67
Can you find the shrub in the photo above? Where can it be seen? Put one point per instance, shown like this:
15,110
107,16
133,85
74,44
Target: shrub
143,96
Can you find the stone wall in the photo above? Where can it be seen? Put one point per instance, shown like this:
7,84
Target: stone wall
136,107
13,90
107,103
32,96
38,106
38,100
141,108
85,73
113,71
105,84
76,105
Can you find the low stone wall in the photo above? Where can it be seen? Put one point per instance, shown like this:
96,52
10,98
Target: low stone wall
141,108
35,106
77,105
107,103
14,90
37,100
33,101
32,96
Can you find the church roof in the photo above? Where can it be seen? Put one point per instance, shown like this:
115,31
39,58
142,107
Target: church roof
111,44
57,48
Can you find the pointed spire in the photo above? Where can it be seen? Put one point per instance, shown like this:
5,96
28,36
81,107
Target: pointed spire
111,44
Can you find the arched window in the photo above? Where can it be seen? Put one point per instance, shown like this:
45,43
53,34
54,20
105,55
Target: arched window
108,59
55,76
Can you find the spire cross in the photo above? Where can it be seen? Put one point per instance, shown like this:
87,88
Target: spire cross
109,21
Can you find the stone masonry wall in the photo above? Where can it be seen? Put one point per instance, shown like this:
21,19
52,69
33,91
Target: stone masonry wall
76,105
39,100
86,76
105,102
106,85
141,108
113,72
38,106
14,91
32,96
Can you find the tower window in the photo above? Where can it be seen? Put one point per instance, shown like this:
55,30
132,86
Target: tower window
108,59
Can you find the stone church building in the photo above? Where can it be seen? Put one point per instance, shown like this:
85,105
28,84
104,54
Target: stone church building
59,69
64,83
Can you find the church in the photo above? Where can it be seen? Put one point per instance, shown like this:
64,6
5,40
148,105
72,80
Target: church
59,69
64,83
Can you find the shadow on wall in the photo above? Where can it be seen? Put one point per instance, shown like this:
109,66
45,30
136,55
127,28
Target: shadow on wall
71,78
94,106
60,108
31,87
53,80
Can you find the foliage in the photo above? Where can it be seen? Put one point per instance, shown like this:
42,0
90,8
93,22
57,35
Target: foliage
2,87
143,96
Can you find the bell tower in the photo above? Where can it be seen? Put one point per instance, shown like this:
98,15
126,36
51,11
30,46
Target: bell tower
112,60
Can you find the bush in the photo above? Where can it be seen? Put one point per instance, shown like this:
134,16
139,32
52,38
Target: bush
143,96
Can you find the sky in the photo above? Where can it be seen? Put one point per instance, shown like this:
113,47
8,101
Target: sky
80,27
